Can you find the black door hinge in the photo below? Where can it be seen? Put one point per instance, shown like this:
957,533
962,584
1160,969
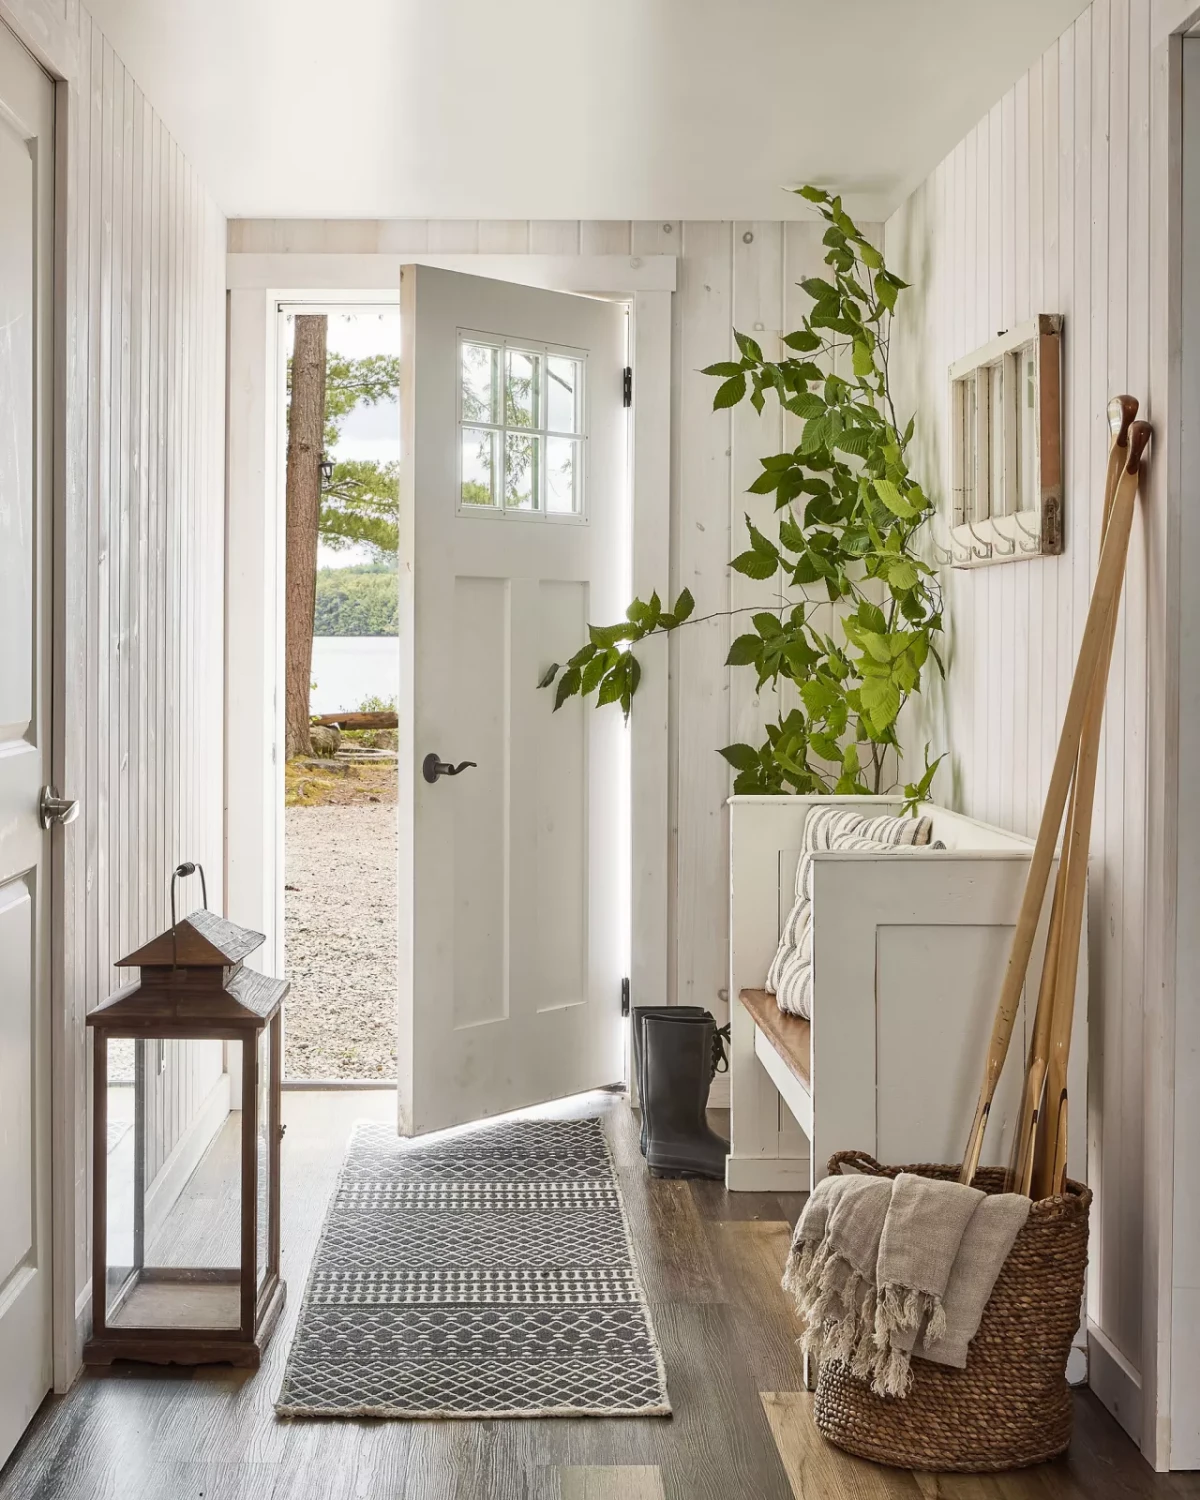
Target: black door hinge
625,997
627,386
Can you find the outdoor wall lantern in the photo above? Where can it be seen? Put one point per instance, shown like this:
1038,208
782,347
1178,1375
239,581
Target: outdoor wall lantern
186,1130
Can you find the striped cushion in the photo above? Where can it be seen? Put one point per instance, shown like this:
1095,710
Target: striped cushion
790,974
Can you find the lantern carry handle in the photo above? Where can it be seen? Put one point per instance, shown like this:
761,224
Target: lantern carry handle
188,867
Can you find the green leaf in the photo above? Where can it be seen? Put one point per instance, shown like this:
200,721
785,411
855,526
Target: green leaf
741,757
761,543
804,341
743,651
818,697
683,606
806,404
813,194
894,500
549,675
881,699
592,674
731,392
748,347
790,535
902,575
568,686
723,367
767,625
820,291
613,684
815,433
864,361
755,565
825,746
871,617
885,291
608,635
633,675
870,256
918,791
856,440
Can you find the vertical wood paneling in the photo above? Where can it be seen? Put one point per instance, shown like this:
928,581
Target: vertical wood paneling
1045,208
142,273
700,470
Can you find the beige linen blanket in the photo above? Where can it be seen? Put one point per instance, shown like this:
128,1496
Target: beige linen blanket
882,1269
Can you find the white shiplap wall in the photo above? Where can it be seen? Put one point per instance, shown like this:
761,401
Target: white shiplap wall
743,273
139,551
1046,207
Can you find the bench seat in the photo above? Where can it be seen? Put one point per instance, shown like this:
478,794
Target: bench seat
907,952
783,1044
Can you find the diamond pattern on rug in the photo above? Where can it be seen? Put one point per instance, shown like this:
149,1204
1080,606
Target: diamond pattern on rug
483,1275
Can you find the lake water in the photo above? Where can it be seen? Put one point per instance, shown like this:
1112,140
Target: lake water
349,668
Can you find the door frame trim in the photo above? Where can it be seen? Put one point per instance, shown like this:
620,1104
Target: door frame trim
256,285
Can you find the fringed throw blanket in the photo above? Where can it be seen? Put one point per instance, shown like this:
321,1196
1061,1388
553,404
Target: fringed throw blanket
882,1269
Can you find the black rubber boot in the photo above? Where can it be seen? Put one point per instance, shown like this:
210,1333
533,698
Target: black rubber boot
640,1012
677,1071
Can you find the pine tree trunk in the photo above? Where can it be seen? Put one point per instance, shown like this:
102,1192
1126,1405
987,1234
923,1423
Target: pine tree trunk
306,440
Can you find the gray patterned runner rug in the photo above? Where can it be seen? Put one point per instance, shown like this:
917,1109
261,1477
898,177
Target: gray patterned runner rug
486,1274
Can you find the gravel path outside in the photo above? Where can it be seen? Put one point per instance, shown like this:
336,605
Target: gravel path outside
340,936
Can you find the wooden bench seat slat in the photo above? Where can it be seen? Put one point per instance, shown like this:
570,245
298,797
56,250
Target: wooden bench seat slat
791,1036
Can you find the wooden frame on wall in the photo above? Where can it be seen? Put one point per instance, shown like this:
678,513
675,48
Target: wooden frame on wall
1006,491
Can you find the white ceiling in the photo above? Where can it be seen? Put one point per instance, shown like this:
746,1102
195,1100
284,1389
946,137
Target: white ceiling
563,109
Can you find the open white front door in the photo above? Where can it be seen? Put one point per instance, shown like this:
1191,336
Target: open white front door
513,536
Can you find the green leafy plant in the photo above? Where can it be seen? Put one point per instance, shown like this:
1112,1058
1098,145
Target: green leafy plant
847,556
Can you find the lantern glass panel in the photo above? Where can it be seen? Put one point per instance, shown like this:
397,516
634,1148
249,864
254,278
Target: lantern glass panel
173,1187
263,1152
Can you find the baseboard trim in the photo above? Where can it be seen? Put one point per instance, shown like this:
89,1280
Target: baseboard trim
767,1174
1116,1383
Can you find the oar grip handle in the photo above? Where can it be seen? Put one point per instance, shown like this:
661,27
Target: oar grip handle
1139,438
1121,412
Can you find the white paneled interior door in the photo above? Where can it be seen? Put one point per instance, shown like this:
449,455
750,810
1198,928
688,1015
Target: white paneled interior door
513,537
26,270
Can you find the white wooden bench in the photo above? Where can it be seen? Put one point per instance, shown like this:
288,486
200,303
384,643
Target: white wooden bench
908,952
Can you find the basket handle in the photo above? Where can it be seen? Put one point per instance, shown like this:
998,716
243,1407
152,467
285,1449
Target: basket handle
859,1159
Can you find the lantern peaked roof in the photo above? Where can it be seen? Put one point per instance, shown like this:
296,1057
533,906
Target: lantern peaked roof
201,940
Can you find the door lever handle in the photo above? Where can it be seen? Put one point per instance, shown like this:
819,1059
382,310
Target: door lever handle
432,767
55,809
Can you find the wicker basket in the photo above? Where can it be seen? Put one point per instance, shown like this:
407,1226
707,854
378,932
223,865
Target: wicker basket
1011,1406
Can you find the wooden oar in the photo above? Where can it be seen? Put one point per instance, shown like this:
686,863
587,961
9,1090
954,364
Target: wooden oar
1051,1165
1121,412
1108,579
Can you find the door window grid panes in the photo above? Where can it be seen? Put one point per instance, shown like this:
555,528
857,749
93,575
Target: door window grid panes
522,429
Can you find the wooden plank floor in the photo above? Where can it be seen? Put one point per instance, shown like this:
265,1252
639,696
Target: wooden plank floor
741,1431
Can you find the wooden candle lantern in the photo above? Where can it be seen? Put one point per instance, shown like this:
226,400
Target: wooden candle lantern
186,1122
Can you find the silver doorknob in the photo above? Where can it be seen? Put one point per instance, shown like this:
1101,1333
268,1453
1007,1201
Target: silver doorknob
55,809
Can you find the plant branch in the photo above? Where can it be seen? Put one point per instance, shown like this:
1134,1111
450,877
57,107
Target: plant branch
850,513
